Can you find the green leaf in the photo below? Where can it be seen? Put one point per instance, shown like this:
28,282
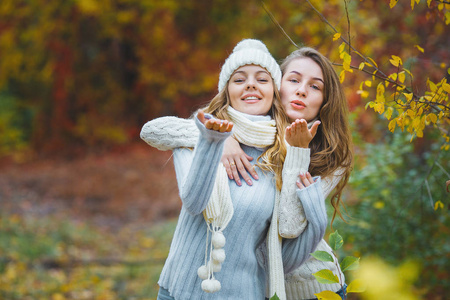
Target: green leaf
322,256
335,241
274,297
349,263
326,276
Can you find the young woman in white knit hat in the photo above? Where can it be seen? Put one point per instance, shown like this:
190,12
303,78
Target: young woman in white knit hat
308,76
213,254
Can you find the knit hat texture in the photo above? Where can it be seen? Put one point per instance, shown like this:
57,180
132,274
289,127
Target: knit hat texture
249,52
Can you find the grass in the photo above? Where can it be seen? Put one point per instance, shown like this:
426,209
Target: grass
59,258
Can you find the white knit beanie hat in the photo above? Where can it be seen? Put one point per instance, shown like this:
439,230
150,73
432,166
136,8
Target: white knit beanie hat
249,52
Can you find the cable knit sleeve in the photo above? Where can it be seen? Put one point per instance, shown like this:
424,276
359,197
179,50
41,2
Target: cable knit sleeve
168,133
296,251
292,220
196,170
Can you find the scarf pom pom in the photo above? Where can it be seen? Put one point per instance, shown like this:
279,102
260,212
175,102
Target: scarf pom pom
218,240
216,267
218,255
211,285
202,272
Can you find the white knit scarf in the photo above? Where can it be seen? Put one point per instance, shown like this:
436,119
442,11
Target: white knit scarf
219,210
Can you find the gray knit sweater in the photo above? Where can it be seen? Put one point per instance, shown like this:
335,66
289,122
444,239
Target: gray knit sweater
241,277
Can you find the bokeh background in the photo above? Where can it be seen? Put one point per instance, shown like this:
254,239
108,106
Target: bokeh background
88,209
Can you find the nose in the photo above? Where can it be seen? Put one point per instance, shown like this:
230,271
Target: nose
251,83
301,91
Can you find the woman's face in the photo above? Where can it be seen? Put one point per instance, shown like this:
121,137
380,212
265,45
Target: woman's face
302,89
251,89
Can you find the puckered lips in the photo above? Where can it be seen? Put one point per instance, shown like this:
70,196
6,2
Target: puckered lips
298,104
251,98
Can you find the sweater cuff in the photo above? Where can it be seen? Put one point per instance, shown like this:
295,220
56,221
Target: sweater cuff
313,201
297,158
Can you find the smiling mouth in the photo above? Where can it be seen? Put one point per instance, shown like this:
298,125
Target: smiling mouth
251,99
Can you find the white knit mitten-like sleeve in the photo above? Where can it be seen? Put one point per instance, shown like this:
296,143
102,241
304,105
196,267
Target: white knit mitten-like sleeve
168,133
292,220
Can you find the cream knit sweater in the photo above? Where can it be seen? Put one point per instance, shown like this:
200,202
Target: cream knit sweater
167,133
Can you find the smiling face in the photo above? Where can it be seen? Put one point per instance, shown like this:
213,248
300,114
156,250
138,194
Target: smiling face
251,90
302,89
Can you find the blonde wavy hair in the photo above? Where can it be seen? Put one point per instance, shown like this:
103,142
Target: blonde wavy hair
331,148
272,158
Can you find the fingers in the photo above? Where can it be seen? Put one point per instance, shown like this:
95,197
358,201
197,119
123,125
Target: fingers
227,166
314,128
250,167
305,180
234,172
201,116
240,166
218,125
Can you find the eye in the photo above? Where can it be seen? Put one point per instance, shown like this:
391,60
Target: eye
238,80
263,80
316,87
293,80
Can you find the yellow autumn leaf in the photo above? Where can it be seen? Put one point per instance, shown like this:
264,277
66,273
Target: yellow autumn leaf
342,76
428,3
401,77
396,61
368,83
419,48
341,48
373,62
379,108
336,36
392,125
356,286
393,76
438,205
446,87
409,72
364,94
327,295
388,113
392,3
380,92
361,66
432,85
419,133
432,117
347,61
408,96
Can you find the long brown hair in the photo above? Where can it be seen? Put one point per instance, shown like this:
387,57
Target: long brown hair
272,158
331,148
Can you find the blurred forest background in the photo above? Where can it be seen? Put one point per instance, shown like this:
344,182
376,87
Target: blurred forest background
88,209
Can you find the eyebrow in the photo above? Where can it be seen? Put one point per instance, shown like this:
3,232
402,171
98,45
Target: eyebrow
260,71
315,78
